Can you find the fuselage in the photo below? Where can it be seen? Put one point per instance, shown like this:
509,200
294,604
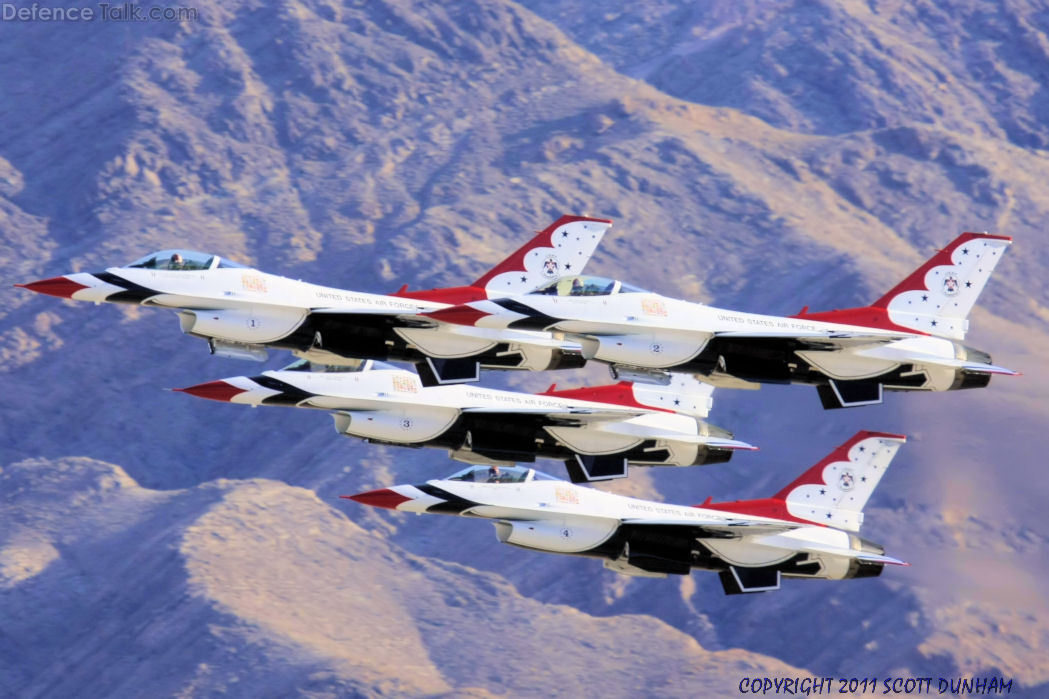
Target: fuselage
243,311
641,330
477,424
634,536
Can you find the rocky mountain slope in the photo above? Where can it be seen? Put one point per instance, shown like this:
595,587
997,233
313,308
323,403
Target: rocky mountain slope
753,156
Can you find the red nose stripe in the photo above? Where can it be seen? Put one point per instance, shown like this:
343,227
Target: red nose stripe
459,315
214,390
379,498
61,287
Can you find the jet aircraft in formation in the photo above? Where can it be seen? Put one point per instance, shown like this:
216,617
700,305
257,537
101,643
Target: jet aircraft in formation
537,311
596,431
807,530
908,340
242,312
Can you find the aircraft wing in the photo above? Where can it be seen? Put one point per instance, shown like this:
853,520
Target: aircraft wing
524,337
833,338
719,528
765,533
576,414
403,308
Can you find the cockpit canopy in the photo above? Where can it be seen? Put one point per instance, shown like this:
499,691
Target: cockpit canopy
183,261
351,365
586,285
500,474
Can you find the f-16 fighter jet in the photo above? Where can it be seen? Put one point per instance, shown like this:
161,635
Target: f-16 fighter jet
241,311
596,431
807,530
908,340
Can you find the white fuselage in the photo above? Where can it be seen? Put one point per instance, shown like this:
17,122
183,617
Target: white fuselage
246,307
559,517
392,405
652,331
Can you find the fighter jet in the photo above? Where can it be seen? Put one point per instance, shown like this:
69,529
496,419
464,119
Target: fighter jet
807,530
908,340
596,431
242,312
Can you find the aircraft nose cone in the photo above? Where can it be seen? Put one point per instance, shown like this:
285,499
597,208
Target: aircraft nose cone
458,315
62,287
213,390
379,498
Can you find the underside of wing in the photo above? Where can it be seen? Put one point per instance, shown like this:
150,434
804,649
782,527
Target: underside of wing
818,339
522,337
720,528
577,415
405,308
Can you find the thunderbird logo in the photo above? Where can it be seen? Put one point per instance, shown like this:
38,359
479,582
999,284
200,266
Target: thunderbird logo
550,266
846,480
950,285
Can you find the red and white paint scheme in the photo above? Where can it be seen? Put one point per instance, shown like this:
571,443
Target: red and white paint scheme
596,431
807,530
910,339
242,311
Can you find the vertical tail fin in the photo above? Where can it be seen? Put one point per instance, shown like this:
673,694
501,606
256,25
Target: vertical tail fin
835,490
563,248
937,297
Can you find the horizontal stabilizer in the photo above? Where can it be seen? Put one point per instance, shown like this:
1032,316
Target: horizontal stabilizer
977,368
791,543
732,444
885,560
909,355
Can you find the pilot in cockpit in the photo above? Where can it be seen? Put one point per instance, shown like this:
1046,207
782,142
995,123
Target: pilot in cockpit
176,261
494,476
577,287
